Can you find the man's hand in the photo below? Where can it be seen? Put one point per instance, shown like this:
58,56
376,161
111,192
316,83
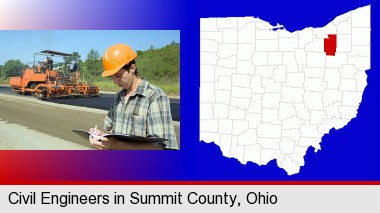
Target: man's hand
97,140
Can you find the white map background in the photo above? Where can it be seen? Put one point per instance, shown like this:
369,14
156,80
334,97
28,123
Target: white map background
270,94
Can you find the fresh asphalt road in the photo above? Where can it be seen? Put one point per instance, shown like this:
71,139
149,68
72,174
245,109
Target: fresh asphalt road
101,102
104,101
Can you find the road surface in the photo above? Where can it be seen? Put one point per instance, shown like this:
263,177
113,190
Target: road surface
101,102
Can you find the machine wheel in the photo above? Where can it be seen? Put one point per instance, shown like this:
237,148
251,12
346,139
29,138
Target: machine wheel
34,85
42,95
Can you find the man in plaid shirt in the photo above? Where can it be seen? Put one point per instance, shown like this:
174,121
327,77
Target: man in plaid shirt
140,109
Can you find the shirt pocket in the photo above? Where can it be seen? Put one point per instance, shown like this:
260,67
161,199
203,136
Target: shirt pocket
136,125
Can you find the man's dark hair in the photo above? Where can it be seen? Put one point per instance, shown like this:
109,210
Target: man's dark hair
128,66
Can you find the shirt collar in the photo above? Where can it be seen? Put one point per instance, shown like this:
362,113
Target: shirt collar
143,86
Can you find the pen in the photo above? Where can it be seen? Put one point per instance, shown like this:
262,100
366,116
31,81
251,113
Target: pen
96,134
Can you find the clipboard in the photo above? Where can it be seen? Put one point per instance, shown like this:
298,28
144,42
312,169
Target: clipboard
123,137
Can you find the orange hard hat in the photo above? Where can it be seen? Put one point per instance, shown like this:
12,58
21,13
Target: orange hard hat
116,57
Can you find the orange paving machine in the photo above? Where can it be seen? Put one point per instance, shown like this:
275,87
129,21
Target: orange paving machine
44,82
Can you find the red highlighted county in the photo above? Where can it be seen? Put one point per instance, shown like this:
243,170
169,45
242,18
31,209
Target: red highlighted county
330,44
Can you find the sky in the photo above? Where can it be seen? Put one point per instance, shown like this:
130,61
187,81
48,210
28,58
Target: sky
22,44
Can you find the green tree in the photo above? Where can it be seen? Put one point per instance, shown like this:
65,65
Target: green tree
93,63
139,53
13,68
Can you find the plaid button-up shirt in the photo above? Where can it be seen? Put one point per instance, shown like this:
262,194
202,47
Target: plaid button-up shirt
147,112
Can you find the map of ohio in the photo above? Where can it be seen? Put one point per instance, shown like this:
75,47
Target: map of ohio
269,94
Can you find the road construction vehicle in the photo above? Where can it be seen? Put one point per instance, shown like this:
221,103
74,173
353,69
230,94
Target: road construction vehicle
44,82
